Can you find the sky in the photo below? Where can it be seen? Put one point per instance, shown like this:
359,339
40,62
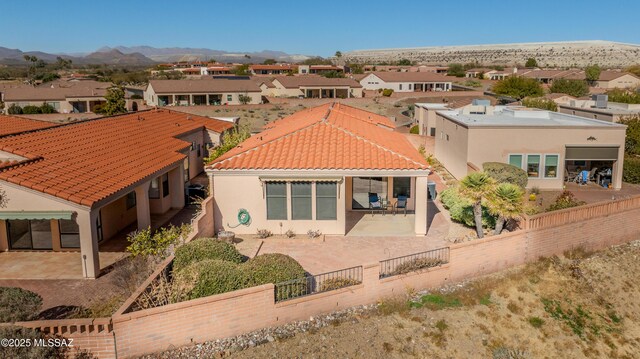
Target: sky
308,27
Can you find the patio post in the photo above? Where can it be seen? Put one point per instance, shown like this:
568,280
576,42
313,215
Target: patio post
421,206
176,181
142,206
89,242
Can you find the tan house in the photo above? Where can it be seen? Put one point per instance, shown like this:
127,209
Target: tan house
317,169
275,69
476,72
617,79
77,187
64,96
551,147
312,86
203,91
600,110
407,81
318,69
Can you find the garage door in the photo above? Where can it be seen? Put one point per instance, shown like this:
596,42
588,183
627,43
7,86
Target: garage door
592,153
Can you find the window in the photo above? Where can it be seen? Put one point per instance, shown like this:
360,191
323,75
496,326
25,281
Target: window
99,226
551,166
301,200
533,166
400,87
326,200
131,199
199,150
410,86
69,233
401,186
165,185
229,97
515,160
186,169
154,189
29,234
276,200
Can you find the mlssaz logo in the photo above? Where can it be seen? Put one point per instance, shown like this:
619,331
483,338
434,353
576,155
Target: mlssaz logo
591,138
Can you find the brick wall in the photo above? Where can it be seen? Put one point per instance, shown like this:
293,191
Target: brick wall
249,309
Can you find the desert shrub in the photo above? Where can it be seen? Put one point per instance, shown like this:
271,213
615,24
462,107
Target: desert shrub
30,110
417,264
143,243
461,209
506,173
566,199
28,352
290,233
387,92
14,110
205,249
272,268
631,170
207,277
263,233
337,283
541,103
414,130
17,305
314,233
46,108
575,88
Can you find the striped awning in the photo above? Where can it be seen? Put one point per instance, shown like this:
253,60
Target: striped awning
5,215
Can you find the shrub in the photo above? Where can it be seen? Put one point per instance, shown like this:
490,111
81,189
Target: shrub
575,88
244,99
28,352
536,322
541,103
566,199
18,305
272,268
518,87
290,233
417,264
30,110
314,234
506,173
414,129
14,110
205,249
387,92
631,170
46,108
263,233
207,277
461,210
143,243
337,283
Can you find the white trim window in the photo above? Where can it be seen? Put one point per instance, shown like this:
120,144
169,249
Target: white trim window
551,168
533,166
516,159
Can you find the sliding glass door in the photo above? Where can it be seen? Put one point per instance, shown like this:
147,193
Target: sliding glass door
29,234
361,188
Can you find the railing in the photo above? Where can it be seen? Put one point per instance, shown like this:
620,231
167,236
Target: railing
582,213
414,262
319,283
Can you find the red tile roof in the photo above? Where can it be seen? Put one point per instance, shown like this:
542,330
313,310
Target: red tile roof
89,161
10,125
330,137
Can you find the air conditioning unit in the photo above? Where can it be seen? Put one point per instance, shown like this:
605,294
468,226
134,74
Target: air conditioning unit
601,100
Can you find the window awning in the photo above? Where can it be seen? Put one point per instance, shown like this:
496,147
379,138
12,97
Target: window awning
592,153
5,215
300,179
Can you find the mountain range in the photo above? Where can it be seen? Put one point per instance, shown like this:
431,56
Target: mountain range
147,55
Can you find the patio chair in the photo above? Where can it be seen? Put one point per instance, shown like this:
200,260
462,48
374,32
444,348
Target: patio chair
584,177
374,202
401,203
592,174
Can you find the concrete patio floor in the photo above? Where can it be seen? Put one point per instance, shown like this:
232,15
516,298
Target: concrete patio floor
363,223
49,265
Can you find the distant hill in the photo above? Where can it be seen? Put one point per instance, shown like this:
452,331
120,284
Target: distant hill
171,54
112,57
560,54
115,57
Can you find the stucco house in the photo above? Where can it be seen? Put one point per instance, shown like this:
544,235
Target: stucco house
313,169
600,110
312,86
204,91
64,96
73,187
551,147
406,81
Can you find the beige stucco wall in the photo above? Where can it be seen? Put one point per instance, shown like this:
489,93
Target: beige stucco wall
115,216
624,81
151,97
597,115
426,120
480,145
233,192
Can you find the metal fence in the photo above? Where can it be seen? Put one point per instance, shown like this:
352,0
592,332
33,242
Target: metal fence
414,262
319,283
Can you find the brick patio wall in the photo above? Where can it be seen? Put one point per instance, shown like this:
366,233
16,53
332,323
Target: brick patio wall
250,309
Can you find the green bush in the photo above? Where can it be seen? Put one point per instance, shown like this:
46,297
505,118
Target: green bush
143,243
631,170
272,268
31,110
14,110
461,210
46,108
506,173
207,277
28,352
337,283
414,129
204,249
387,92
18,305
541,103
566,199
575,88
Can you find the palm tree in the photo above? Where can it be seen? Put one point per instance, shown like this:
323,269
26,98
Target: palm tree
506,203
475,187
